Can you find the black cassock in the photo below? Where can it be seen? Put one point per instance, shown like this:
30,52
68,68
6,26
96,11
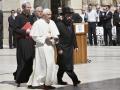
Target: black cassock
67,42
25,50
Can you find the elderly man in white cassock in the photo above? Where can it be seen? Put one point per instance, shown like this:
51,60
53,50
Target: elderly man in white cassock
45,33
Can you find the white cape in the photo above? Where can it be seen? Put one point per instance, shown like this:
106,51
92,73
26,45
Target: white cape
44,67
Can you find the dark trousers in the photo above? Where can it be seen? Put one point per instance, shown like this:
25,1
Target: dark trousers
12,39
1,43
70,73
118,35
107,33
92,33
1,39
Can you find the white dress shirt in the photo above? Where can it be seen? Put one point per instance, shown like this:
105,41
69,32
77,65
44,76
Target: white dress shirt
92,16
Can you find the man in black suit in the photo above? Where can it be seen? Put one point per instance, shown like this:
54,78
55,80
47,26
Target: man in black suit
116,22
1,29
11,21
107,25
67,43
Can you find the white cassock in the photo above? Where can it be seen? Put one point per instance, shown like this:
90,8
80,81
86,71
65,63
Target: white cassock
44,67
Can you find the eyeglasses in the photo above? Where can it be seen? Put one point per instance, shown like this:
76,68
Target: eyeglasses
40,11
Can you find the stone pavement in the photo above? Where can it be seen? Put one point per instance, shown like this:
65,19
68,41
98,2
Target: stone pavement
103,73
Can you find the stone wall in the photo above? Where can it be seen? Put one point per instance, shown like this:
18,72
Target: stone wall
43,3
76,5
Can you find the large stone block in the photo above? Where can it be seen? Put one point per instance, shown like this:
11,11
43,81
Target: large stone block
76,5
107,2
5,22
10,4
43,3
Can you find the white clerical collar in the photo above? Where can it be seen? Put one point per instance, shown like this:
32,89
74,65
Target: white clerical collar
45,20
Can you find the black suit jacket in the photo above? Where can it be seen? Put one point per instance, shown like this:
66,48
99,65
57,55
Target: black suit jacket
107,20
66,38
116,19
11,21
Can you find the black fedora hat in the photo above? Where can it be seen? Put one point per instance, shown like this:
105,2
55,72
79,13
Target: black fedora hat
66,10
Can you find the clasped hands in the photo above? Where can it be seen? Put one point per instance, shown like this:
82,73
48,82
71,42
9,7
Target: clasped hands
51,40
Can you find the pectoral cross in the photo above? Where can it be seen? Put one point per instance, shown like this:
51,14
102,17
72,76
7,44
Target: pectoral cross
49,33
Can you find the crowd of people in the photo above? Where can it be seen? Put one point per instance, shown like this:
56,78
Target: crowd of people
102,17
99,16
37,39
96,17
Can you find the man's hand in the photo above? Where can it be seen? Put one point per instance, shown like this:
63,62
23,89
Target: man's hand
52,41
76,49
48,42
60,51
28,31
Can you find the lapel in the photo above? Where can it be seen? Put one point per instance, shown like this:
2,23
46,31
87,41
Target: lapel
107,13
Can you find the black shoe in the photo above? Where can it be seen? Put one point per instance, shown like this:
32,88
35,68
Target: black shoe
14,46
62,83
11,47
29,86
14,74
18,84
1,47
49,87
91,44
76,83
35,87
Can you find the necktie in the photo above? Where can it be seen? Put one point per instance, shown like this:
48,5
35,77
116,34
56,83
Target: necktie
69,29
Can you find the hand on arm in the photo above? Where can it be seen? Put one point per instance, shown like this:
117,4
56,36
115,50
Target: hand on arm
60,51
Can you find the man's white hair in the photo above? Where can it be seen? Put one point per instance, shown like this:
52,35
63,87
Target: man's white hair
38,8
25,3
46,11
